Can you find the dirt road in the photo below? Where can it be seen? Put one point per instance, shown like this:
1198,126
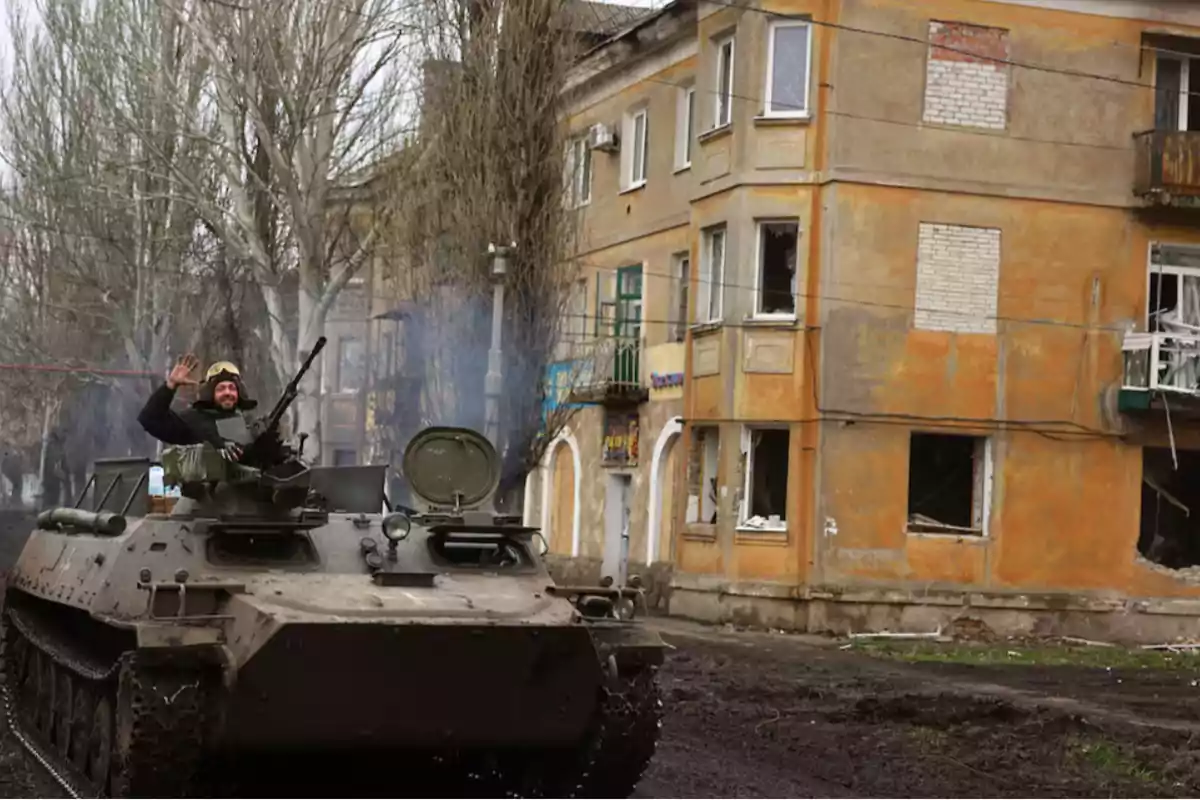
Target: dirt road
761,715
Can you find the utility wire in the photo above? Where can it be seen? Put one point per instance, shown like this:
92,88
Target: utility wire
974,54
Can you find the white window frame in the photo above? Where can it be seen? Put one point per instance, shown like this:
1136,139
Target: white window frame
748,479
758,269
680,291
1185,81
685,122
982,509
629,179
727,98
1179,273
579,191
705,296
805,112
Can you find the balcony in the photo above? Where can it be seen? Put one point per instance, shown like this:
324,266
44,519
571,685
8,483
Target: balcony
1162,364
605,371
1167,170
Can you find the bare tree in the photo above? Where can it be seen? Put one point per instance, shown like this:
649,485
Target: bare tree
490,170
106,250
303,94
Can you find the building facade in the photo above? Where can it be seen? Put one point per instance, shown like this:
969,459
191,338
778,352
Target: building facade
937,357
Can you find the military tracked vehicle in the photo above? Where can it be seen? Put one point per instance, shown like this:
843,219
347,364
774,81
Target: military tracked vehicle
285,608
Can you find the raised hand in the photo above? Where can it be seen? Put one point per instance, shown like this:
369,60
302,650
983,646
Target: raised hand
181,373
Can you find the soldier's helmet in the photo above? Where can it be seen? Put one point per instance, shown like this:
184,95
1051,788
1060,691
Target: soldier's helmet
224,371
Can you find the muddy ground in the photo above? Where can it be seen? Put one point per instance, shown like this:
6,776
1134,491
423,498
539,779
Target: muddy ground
762,715
771,715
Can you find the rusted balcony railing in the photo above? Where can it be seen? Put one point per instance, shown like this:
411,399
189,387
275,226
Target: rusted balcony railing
602,369
1165,362
1168,166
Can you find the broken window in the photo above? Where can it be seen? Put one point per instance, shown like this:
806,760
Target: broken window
948,479
702,474
1169,535
1173,309
777,267
764,493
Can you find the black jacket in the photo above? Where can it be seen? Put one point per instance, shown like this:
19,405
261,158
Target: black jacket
194,425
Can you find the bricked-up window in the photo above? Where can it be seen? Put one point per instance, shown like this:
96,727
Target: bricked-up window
948,483
1176,108
777,268
789,58
682,273
712,276
765,466
966,77
723,100
702,474
958,277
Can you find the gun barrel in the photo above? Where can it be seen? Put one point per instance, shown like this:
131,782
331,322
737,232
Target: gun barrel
289,392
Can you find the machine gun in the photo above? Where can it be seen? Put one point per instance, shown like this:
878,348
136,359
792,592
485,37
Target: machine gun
267,449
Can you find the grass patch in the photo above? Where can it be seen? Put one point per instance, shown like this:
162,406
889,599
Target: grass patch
1110,760
929,739
1045,655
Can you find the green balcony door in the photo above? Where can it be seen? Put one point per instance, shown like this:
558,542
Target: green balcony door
628,324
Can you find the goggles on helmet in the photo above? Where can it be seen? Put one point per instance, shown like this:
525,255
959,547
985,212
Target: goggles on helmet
222,366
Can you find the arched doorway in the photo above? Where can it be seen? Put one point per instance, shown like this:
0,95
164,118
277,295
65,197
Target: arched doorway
562,500
561,473
662,473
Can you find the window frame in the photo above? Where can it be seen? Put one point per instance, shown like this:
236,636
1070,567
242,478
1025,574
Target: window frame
707,285
628,179
343,341
693,436
685,126
773,26
579,191
759,231
680,294
1185,97
983,480
747,451
724,101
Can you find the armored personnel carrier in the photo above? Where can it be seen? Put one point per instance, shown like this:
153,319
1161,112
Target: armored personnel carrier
284,608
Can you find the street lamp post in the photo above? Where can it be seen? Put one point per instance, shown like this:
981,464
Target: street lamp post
494,381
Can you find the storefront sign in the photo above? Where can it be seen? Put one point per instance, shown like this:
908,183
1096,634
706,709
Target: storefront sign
621,439
659,382
666,371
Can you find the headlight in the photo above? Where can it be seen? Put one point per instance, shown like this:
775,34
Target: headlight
396,527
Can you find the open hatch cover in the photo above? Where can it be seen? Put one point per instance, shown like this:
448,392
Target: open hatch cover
444,465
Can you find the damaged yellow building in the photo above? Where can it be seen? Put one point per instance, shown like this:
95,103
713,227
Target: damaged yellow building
929,275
